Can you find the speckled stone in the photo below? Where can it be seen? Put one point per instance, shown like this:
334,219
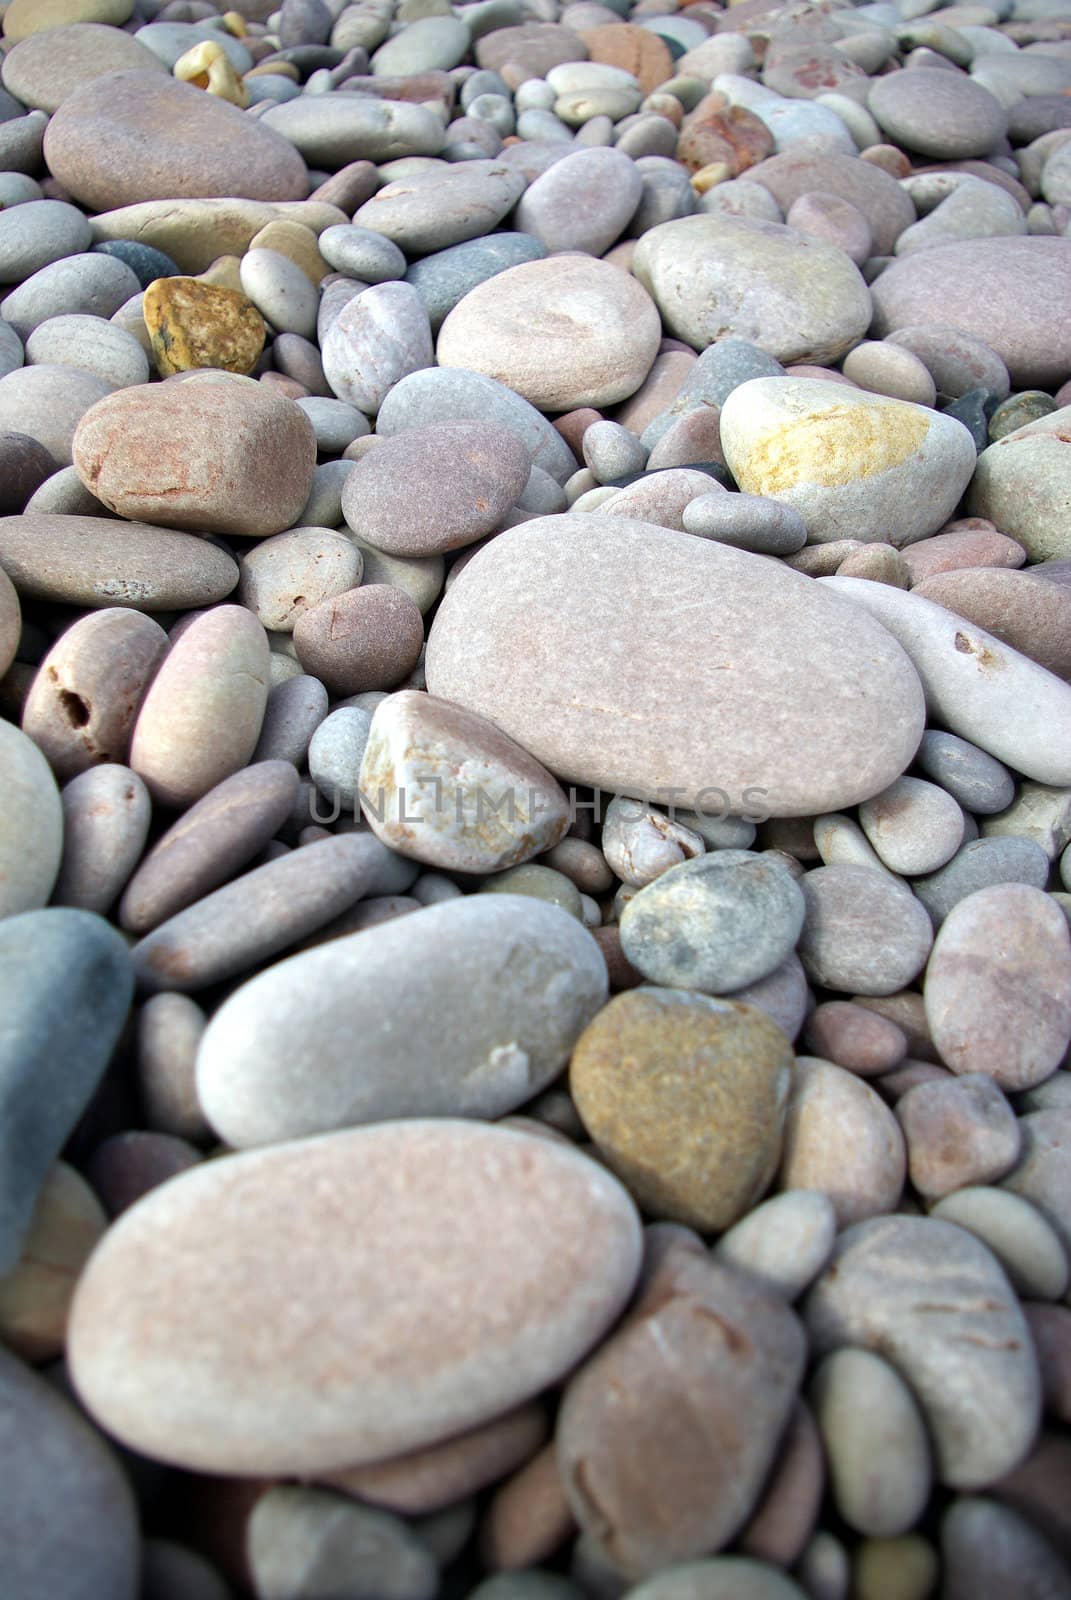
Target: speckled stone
583,202
980,783
380,336
935,1302
365,638
684,1096
193,324
914,826
1021,484
959,1131
864,930
558,584
466,201
454,394
541,1296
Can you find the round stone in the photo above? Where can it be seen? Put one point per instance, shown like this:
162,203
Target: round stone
684,1097
189,1387
434,489
875,1442
38,232
716,923
940,114
864,931
1022,484
785,1242
366,638
564,332
132,136
526,636
31,825
998,986
284,576
914,826
583,202
91,345
44,69
842,1140
800,299
959,1132
1025,1244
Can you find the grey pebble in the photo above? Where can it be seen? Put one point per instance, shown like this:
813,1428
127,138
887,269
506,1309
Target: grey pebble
976,779
90,282
362,253
335,754
747,521
335,423
38,232
978,865
443,278
448,394
294,711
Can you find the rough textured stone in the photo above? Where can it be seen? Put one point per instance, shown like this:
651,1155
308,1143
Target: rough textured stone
213,456
349,1370
133,136
193,324
684,1096
554,590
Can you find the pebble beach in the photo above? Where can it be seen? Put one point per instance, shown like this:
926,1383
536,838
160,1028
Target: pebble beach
535,833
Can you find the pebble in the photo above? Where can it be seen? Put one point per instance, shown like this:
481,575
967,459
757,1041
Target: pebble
541,1298
444,786
875,1442
37,233
583,202
747,521
193,324
985,1543
914,826
849,1035
960,1132
200,720
805,300
68,985
364,638
703,1348
1026,1246
558,594
106,816
68,1221
853,465
25,464
718,1578
1033,456
693,1127
980,783
863,932
445,276
177,448
91,345
784,1243
975,685
350,1548
31,825
271,1067
981,864
379,336
593,342
282,577
94,561
60,1453
47,403
139,135
479,471
335,752
998,986
43,72
842,1140
714,924
935,1302
465,202
640,843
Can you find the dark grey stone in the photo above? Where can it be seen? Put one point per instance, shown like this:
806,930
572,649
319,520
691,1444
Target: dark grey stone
444,278
146,262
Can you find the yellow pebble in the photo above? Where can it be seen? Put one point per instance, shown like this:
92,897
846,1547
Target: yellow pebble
194,324
709,176
297,243
234,23
225,272
207,66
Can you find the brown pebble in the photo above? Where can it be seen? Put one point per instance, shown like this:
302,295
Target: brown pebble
528,1518
106,816
193,324
368,638
788,1511
35,1295
855,1037
959,1131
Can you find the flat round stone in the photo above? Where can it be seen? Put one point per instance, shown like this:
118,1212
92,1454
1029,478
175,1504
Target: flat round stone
864,931
43,71
529,636
564,332
97,561
366,1378
941,114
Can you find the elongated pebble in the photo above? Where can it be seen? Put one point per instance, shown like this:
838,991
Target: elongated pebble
106,816
31,825
97,561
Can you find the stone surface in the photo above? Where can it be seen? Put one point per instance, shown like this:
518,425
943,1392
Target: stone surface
875,1442
31,825
43,72
68,985
277,1060
189,1387
94,561
975,286
936,1304
863,931
684,1097
1025,1244
48,402
717,923
583,202
106,815
914,826
444,786
1021,484
998,986
553,590
95,1549
366,638
379,337
665,1436
784,1243
799,299
984,1543
563,332
1030,614
193,324
450,395
479,470
132,136
35,1297
210,456
976,686
944,115
842,1141
282,577
854,465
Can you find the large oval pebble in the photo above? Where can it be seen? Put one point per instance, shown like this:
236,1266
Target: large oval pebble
99,561
402,1283
530,636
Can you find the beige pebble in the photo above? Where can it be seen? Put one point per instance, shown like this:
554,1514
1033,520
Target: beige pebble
35,1296
106,816
84,700
842,1139
890,369
1026,1246
168,1033
528,1517
906,1568
10,621
284,576
875,1442
785,1242
201,718
31,824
